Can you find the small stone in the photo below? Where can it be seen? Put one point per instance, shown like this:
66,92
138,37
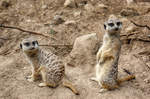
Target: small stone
70,22
77,13
84,48
82,3
102,6
148,64
147,80
57,20
144,72
129,12
69,3
44,7
5,3
28,20
130,28
24,67
89,7
131,2
137,84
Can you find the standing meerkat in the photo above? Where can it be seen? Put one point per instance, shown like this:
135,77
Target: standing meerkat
46,64
108,56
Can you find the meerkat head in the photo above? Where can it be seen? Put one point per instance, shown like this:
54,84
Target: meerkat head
113,25
29,45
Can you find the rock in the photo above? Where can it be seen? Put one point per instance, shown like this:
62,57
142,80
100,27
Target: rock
84,49
57,20
131,2
44,7
131,28
82,3
70,22
102,9
69,3
129,12
148,64
147,80
77,13
102,6
89,7
137,84
5,3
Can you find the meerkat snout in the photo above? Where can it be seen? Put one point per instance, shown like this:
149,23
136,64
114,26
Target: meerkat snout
112,26
46,64
116,29
29,45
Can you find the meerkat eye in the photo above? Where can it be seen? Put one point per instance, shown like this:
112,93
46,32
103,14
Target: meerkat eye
111,24
27,44
34,42
119,23
104,26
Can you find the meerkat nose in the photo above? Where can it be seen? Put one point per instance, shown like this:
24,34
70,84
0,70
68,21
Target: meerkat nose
116,29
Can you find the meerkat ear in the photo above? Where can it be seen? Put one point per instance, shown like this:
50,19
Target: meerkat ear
104,26
21,46
37,42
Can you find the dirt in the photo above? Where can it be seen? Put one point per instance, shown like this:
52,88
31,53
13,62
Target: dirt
38,16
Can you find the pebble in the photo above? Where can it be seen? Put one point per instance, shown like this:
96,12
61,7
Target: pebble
70,22
147,80
57,20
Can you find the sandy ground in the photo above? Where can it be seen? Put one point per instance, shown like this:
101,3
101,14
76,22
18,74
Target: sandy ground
36,15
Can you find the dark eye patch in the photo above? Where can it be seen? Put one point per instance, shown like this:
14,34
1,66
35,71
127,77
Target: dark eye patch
119,23
34,42
27,44
111,24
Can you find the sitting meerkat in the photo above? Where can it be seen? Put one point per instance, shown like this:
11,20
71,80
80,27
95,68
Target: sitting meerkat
46,64
108,55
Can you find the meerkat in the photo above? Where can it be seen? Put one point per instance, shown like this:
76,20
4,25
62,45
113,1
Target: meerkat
48,65
108,55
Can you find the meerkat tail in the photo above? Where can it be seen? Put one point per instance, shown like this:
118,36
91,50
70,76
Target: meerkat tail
108,87
70,86
127,78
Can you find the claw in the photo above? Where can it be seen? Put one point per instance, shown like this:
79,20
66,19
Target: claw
93,79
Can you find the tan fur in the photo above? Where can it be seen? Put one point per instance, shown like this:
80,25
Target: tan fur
107,57
46,64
